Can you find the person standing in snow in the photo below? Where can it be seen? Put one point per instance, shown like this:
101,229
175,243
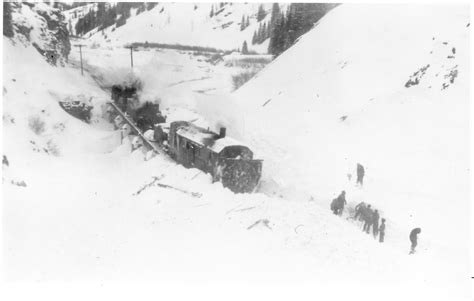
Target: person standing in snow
334,206
337,205
375,223
359,208
341,202
414,239
360,174
367,216
382,230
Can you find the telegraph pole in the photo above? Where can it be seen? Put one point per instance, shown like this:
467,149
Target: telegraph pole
131,55
80,54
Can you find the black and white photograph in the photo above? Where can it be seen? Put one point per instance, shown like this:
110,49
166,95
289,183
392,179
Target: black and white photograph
254,150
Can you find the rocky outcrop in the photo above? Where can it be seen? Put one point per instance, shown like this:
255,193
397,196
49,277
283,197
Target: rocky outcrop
44,27
80,107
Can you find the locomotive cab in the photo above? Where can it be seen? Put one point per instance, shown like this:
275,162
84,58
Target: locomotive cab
226,159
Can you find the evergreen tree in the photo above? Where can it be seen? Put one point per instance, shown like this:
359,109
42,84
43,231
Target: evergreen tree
78,27
254,38
121,21
110,18
295,21
123,8
245,49
299,19
7,20
212,11
247,22
276,14
151,5
279,36
261,13
259,33
100,17
264,32
242,23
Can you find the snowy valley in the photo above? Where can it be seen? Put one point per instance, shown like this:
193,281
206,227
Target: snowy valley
368,84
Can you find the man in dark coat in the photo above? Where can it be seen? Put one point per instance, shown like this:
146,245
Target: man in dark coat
341,202
334,206
359,208
382,230
414,239
367,216
360,174
337,205
375,223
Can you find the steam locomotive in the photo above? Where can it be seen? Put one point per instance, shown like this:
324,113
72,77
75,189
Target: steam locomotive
226,159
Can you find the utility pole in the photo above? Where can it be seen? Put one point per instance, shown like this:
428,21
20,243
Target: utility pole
80,54
131,55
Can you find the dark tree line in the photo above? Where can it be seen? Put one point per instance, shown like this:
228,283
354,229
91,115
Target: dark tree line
286,28
107,15
7,20
261,34
244,23
217,8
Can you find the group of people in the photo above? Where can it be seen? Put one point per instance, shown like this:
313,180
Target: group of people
370,218
363,212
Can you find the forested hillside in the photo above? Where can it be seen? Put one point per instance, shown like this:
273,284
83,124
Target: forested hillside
265,28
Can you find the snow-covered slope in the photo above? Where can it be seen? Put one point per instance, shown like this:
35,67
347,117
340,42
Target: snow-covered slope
84,214
32,88
384,86
190,24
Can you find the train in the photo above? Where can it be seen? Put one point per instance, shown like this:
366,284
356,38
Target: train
227,160
146,115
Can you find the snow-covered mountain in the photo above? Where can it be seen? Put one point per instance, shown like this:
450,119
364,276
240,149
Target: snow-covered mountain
192,25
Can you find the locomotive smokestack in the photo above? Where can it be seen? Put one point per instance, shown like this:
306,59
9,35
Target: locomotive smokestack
222,133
